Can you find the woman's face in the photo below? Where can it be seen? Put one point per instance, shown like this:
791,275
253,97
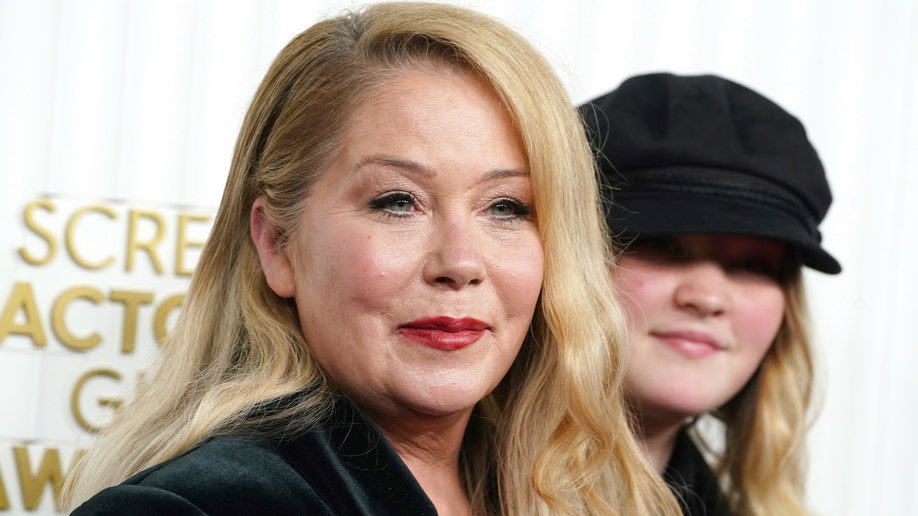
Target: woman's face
417,262
703,310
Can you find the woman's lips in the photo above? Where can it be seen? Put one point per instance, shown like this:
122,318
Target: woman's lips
445,333
689,344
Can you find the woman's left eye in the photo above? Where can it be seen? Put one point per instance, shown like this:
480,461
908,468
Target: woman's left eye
506,208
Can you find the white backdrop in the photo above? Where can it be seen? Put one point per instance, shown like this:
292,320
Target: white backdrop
121,115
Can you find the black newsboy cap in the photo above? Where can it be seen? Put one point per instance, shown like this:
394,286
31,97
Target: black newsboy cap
703,154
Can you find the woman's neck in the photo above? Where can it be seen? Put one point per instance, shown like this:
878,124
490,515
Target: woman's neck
431,452
442,484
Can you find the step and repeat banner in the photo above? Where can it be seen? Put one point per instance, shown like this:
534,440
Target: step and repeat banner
95,287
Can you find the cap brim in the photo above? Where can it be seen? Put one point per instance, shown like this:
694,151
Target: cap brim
657,213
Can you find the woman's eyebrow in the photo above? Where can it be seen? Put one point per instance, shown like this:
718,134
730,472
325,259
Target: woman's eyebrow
393,162
420,169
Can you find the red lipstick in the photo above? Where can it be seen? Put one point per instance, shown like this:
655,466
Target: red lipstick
445,333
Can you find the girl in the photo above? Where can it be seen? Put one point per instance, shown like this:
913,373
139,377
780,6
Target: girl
717,195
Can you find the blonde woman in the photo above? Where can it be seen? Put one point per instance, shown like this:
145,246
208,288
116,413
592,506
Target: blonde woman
718,194
396,311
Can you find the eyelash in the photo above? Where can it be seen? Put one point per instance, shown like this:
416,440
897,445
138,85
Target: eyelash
384,203
520,210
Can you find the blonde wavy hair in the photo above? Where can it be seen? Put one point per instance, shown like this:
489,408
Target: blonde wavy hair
553,437
762,464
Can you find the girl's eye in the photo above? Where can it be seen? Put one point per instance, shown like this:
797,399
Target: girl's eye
507,208
662,245
395,202
756,265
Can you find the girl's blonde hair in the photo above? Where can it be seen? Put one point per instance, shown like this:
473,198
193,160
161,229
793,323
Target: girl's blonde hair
554,436
762,465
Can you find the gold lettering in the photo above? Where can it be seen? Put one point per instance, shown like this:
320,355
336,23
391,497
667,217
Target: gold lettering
22,299
49,472
69,240
46,235
131,302
58,319
134,245
4,499
77,393
162,316
183,243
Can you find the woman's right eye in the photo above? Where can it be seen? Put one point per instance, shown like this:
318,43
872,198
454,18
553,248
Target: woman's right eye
394,203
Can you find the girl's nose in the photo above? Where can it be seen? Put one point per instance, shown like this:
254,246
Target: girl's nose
704,289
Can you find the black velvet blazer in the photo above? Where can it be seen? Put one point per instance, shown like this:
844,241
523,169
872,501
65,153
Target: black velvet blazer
690,478
343,467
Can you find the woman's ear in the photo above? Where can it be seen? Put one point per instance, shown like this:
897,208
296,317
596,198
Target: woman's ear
274,261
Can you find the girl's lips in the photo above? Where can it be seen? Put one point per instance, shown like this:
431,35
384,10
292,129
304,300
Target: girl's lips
445,333
690,344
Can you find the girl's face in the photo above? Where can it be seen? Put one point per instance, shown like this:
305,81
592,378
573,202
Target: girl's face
703,310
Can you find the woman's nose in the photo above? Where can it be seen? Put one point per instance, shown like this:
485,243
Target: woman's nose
704,289
455,259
